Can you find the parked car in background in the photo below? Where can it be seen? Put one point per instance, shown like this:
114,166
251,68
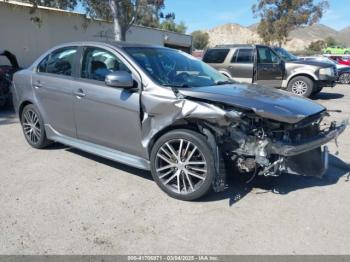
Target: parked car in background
6,73
344,61
324,60
338,50
344,75
271,67
162,110
343,71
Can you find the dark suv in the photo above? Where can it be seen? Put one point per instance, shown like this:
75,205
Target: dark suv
271,67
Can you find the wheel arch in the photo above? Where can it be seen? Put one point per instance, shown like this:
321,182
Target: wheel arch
308,75
22,106
179,124
196,125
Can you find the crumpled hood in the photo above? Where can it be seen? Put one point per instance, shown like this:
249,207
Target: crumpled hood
266,102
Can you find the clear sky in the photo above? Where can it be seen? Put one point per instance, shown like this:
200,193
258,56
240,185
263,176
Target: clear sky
205,14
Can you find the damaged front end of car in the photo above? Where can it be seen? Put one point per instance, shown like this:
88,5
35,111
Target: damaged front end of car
242,139
269,148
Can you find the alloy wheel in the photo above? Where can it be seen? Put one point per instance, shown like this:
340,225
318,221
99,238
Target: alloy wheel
31,126
299,88
181,166
345,78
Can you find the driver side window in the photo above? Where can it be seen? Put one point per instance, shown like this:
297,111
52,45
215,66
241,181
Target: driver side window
98,63
267,56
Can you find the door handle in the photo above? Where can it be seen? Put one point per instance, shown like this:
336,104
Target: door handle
38,84
79,93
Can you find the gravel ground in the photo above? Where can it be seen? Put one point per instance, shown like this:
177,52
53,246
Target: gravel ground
63,201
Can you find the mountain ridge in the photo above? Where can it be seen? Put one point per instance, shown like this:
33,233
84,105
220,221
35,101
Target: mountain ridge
299,39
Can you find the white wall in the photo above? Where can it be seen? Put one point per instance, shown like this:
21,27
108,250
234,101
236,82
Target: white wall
28,40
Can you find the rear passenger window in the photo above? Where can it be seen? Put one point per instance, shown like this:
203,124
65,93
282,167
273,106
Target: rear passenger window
215,56
243,56
59,62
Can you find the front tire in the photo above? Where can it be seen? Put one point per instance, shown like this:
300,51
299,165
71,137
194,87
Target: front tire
301,86
344,78
182,164
33,127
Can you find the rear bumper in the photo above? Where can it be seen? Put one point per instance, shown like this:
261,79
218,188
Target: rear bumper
288,150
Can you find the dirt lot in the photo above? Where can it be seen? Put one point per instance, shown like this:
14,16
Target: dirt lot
64,201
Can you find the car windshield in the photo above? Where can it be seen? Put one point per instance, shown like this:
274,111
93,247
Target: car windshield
173,68
285,54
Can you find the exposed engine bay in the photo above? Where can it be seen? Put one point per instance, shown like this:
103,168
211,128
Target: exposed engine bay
271,147
258,146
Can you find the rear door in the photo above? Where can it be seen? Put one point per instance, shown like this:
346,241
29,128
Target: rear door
242,65
52,83
270,67
107,116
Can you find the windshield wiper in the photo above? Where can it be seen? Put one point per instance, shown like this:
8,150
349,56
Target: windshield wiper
226,82
176,86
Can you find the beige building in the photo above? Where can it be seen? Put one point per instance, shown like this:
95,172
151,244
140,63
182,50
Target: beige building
29,35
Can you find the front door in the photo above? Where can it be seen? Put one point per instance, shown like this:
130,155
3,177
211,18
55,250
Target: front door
105,115
269,67
53,89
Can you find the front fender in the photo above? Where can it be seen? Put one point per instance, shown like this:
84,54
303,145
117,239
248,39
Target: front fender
301,72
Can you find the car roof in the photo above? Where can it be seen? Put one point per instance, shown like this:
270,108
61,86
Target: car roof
118,44
228,46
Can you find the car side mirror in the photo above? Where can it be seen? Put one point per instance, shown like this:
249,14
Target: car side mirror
121,79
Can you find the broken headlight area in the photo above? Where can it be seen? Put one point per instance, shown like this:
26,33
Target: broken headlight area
269,148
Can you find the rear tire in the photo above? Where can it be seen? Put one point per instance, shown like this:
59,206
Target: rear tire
33,127
344,78
301,86
184,170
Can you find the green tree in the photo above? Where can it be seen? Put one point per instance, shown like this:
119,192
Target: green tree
280,17
123,13
169,24
200,40
331,42
317,46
